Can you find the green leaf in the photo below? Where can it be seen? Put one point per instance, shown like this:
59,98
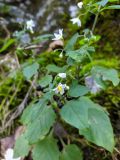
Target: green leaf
30,70
111,7
71,152
77,55
76,114
70,44
41,125
22,147
7,44
91,120
106,74
77,90
46,150
45,81
70,61
55,69
32,112
80,54
100,131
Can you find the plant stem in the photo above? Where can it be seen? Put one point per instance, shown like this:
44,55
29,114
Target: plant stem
77,71
96,18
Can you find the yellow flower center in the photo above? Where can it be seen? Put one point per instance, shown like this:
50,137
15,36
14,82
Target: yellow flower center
59,88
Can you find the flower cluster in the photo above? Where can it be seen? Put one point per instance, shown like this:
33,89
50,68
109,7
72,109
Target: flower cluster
61,88
77,20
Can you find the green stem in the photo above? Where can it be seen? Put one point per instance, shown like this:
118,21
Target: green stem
77,71
96,18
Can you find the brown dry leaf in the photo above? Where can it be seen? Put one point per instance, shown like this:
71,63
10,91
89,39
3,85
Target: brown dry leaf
55,45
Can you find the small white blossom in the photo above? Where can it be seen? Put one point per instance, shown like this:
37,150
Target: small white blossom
30,25
61,88
58,35
80,5
76,21
9,155
62,75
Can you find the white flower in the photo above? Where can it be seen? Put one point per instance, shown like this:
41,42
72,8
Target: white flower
62,75
76,21
80,4
9,155
61,88
58,35
30,25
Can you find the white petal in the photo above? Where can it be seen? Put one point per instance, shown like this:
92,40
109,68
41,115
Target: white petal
59,35
62,75
61,32
80,4
56,35
76,21
62,91
67,87
9,154
79,23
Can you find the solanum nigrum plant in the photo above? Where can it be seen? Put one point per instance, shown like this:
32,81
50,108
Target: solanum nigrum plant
63,113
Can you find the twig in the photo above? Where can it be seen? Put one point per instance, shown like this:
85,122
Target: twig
117,150
33,47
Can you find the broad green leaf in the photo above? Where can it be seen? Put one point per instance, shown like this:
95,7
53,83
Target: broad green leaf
45,81
41,125
106,74
70,44
75,113
80,54
91,120
77,55
55,69
100,130
46,150
32,112
22,147
30,70
77,90
71,152
7,44
48,96
70,61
